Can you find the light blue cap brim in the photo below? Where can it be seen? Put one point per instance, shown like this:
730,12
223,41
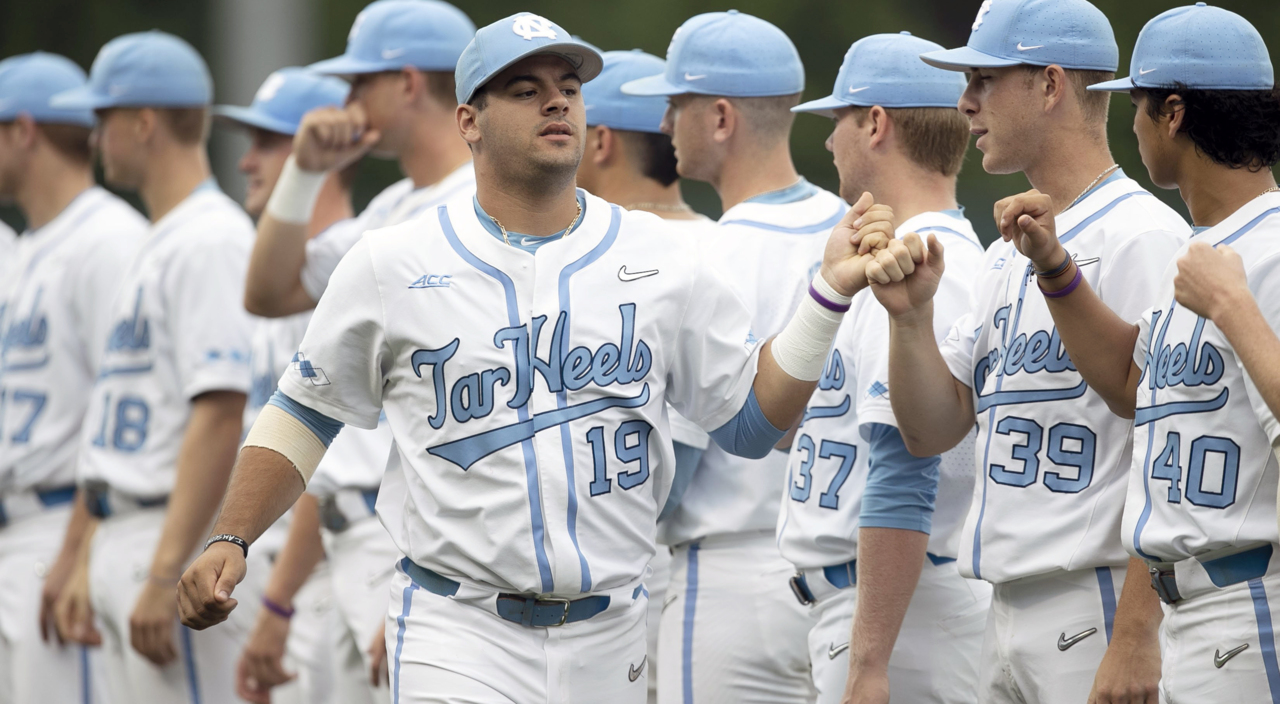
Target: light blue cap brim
81,98
965,58
653,85
1119,85
822,106
348,66
252,118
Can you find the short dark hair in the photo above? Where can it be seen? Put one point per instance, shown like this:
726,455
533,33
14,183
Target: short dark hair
70,141
441,87
479,99
1094,104
653,154
1235,128
935,139
189,126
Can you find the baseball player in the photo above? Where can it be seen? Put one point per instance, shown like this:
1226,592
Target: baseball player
311,637
164,416
1045,520
859,510
526,508
628,160
731,80
54,304
400,58
1202,492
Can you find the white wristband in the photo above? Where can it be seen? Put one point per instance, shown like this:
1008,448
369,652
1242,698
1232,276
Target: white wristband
295,195
276,430
801,348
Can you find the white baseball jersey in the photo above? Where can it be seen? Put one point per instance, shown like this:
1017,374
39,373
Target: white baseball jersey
526,392
828,466
683,430
178,329
8,247
54,309
769,251
1204,476
1051,458
397,203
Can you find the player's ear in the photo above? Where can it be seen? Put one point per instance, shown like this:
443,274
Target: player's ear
145,123
604,141
1054,85
878,122
1173,109
468,118
726,119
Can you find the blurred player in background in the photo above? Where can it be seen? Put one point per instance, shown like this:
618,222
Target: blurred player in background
525,508
165,412
400,59
298,614
858,519
732,80
1069,612
629,161
55,302
1202,495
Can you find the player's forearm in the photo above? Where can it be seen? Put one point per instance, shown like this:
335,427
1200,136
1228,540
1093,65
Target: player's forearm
302,551
1255,344
933,410
264,485
204,464
273,287
781,396
1138,613
889,565
1099,342
79,528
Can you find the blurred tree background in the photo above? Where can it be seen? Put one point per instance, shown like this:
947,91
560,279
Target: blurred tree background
245,39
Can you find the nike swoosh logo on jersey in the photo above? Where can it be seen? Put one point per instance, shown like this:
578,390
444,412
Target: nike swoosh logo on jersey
671,599
699,77
624,275
1086,262
858,90
1220,659
1150,414
1009,398
633,672
469,450
1029,48
835,650
1064,642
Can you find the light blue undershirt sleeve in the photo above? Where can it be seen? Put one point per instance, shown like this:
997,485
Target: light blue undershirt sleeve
748,434
901,487
687,459
323,426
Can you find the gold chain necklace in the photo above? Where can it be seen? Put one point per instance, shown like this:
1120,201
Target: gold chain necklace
1089,187
565,232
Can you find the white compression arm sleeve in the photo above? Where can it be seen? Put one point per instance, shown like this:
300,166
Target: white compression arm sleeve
801,348
276,430
295,195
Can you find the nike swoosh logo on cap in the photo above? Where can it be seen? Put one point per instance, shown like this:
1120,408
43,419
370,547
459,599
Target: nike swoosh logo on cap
858,90
1142,72
1029,48
392,53
699,77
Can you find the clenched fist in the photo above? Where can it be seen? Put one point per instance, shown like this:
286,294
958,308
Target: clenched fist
330,139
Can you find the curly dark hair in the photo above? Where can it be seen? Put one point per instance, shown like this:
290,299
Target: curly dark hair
1235,128
653,154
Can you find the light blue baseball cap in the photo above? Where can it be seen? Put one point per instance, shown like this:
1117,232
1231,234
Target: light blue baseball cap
1202,47
1070,33
144,69
284,98
388,35
607,105
524,34
730,54
886,70
28,81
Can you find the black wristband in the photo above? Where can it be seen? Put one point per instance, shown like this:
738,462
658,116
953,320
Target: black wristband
228,538
1057,270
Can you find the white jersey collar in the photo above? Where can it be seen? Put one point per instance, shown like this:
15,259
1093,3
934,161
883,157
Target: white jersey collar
596,224
821,210
1240,219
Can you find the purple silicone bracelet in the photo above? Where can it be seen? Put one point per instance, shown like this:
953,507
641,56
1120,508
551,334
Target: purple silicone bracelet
277,609
826,302
1066,291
